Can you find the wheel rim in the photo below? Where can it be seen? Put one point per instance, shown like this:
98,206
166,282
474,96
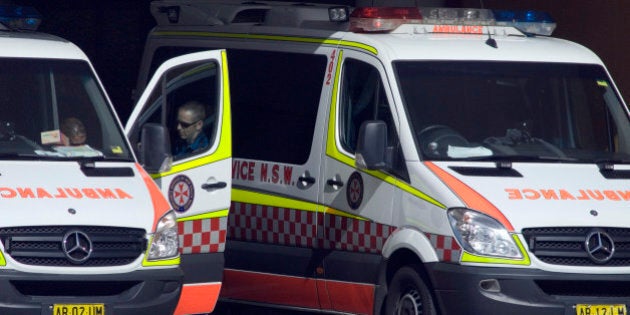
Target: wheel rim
410,303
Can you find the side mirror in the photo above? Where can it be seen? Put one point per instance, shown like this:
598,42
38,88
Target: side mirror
155,150
372,149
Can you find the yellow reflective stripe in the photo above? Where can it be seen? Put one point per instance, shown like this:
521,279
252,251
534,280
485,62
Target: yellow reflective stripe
331,145
245,196
225,146
250,197
468,257
345,214
165,262
333,152
412,190
208,215
3,262
201,161
312,40
224,150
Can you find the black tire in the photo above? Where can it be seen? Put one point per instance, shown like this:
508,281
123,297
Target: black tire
408,294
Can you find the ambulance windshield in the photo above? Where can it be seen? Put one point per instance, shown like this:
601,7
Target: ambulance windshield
55,109
514,111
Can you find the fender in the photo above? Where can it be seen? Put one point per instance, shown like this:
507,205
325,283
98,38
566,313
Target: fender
412,239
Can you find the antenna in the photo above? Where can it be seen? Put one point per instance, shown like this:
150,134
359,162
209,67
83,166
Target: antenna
491,41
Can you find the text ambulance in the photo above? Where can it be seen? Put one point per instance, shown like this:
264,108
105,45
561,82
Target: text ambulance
84,228
413,160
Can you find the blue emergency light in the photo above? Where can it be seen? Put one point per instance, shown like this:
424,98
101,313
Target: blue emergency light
19,17
530,21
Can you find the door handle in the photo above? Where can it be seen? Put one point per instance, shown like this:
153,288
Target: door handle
217,185
334,182
307,179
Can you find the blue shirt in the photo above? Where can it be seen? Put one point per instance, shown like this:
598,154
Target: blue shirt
183,148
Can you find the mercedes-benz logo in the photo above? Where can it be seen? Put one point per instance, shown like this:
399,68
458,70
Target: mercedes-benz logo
77,246
600,247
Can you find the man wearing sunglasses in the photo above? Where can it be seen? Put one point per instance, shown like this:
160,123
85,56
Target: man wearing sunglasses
190,120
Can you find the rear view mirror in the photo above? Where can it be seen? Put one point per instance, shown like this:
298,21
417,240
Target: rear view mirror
155,148
371,151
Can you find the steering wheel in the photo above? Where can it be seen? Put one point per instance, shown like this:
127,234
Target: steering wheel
435,139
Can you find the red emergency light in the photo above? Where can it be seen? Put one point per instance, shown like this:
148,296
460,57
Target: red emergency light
382,19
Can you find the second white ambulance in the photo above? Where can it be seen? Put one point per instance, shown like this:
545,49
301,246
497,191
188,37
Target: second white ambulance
412,160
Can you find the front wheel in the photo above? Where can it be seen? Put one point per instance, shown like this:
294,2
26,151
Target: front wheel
408,294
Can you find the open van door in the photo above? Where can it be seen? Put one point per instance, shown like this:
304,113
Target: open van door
180,130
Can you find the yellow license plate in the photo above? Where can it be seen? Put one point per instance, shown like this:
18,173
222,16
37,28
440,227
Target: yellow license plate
600,309
78,309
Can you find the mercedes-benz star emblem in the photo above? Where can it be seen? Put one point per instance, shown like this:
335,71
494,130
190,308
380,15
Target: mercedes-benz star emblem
77,246
600,247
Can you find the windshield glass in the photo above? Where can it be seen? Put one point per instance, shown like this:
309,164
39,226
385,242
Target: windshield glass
55,109
514,111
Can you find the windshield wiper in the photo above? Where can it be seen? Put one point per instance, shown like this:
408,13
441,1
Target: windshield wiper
19,156
609,164
80,159
519,158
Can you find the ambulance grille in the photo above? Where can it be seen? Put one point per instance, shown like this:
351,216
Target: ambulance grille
43,245
567,245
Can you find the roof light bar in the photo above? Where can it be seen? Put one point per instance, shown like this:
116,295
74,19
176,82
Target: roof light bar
386,19
21,18
530,22
453,16
383,19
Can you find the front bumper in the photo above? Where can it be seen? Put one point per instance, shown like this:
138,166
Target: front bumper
203,274
492,290
140,292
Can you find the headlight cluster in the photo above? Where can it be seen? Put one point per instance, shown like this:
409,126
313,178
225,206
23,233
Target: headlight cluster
482,235
165,242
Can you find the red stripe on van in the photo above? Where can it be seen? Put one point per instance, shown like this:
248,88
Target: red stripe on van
160,205
198,298
469,196
269,288
355,298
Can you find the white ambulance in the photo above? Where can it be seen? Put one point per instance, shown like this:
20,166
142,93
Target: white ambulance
405,160
84,229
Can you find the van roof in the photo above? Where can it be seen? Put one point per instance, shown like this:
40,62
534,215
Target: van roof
280,18
37,45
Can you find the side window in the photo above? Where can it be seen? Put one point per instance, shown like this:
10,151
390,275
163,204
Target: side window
189,110
275,97
363,98
164,53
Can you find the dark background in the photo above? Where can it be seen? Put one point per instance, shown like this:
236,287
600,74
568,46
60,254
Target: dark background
112,33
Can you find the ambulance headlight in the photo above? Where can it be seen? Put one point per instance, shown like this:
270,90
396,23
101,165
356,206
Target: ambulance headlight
480,234
165,242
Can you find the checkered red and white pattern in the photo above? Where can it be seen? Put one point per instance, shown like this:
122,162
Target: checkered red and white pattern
292,227
202,236
343,233
274,225
446,247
